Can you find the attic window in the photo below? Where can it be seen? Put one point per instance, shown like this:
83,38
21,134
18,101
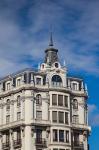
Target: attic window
56,80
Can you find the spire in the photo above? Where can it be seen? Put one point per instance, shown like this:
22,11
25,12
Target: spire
51,40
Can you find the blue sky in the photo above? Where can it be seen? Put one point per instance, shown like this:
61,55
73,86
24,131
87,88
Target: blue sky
25,27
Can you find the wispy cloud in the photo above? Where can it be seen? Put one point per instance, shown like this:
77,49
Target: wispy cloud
24,31
93,115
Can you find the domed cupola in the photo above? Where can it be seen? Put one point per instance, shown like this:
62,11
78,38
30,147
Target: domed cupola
51,54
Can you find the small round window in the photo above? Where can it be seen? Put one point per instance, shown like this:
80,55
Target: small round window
56,65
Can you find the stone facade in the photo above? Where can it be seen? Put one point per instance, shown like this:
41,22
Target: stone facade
44,109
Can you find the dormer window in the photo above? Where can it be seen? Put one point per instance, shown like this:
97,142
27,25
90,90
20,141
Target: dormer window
8,86
18,82
38,81
56,80
74,86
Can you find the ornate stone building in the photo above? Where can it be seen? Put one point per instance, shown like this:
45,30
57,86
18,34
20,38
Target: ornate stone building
44,109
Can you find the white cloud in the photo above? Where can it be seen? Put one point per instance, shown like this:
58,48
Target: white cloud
91,108
75,26
93,115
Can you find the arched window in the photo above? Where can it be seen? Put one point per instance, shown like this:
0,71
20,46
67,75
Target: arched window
56,80
75,104
18,101
8,105
38,99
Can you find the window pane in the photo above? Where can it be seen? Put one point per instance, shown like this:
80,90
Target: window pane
75,119
61,117
54,116
66,101
8,86
55,136
39,99
18,116
18,101
54,99
18,82
39,115
75,104
66,117
18,135
67,136
60,100
74,86
7,138
8,119
61,135
38,81
8,105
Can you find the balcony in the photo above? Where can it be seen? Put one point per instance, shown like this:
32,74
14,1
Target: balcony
81,126
6,146
17,143
12,124
41,142
78,145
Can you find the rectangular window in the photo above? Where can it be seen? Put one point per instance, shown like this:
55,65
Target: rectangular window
54,116
61,135
38,136
7,138
55,135
8,105
76,139
38,81
7,119
18,115
60,100
54,99
39,115
66,117
67,136
66,101
8,86
18,82
75,119
18,101
74,86
61,117
18,135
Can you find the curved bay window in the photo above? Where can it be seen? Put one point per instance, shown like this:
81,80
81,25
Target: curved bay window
8,105
75,104
38,99
56,80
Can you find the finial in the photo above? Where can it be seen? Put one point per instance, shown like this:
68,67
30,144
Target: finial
51,40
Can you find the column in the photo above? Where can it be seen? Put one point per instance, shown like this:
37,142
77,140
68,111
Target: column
11,140
28,144
69,84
